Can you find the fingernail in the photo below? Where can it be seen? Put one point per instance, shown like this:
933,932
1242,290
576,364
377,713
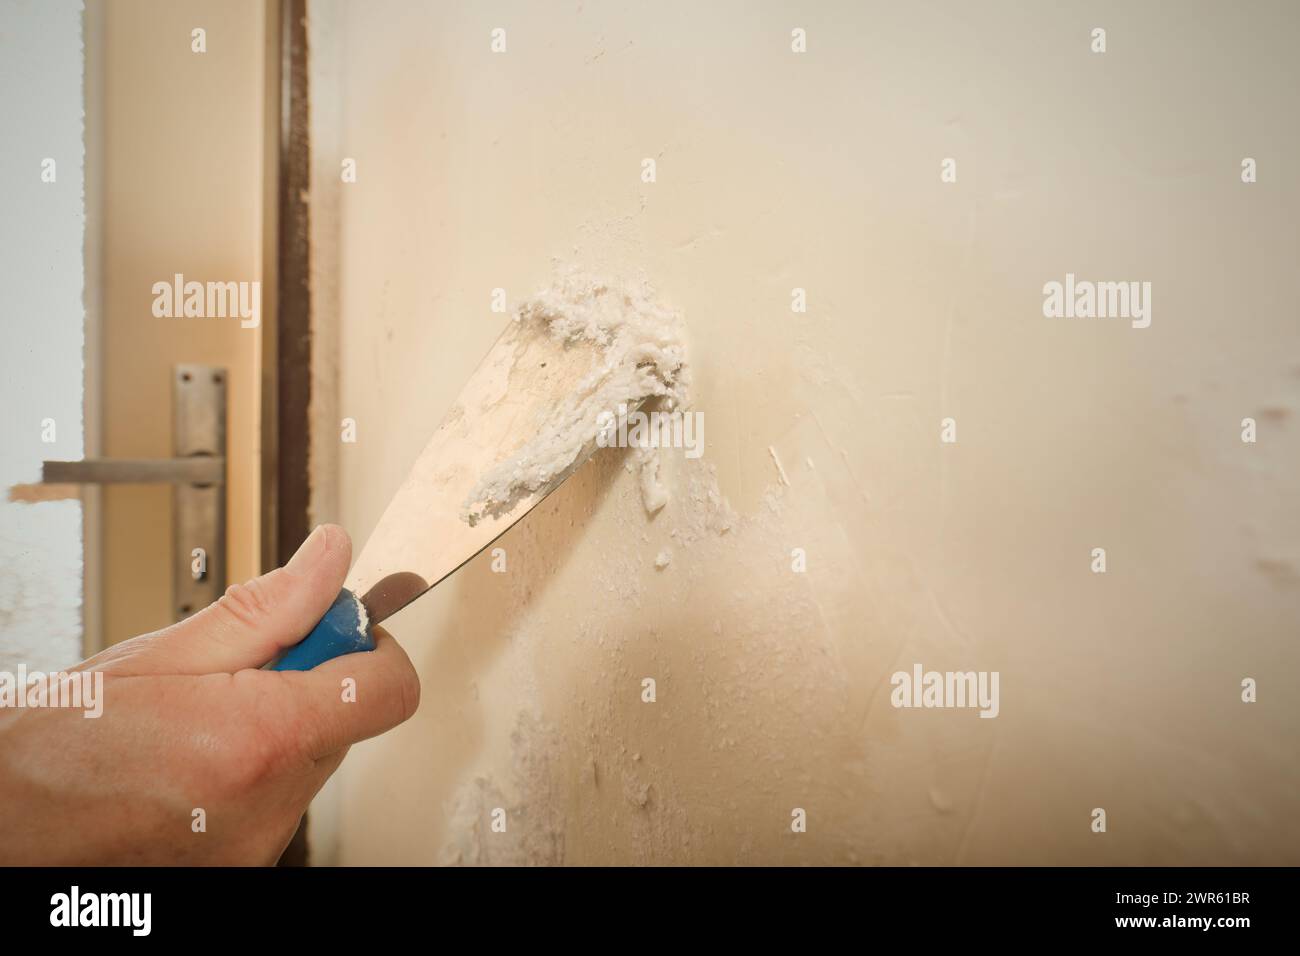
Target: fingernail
309,553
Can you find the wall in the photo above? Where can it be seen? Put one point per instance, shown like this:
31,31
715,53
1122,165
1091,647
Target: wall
41,319
821,171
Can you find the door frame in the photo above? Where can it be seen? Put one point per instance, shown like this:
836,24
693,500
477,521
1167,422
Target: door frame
287,339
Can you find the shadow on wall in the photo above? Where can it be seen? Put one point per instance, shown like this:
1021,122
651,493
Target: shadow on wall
489,612
546,724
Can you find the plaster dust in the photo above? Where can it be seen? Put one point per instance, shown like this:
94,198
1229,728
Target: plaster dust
641,357
363,617
601,772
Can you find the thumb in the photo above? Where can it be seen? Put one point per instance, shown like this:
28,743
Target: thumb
253,622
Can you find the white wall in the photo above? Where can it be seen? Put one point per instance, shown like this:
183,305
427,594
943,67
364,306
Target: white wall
821,171
42,227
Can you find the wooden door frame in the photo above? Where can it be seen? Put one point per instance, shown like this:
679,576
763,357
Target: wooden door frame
287,341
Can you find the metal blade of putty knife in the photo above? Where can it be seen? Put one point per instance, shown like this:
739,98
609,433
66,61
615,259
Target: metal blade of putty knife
422,537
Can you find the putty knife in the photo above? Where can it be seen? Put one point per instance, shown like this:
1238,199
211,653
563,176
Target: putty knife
422,537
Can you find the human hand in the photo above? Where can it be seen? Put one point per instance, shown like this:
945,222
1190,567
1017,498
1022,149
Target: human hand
191,724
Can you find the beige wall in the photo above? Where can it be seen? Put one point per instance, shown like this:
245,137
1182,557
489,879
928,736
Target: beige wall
821,171
183,167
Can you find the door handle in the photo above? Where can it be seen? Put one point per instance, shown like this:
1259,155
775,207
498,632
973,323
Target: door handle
197,472
131,471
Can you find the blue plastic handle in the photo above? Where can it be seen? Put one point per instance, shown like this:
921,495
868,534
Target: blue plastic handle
339,632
